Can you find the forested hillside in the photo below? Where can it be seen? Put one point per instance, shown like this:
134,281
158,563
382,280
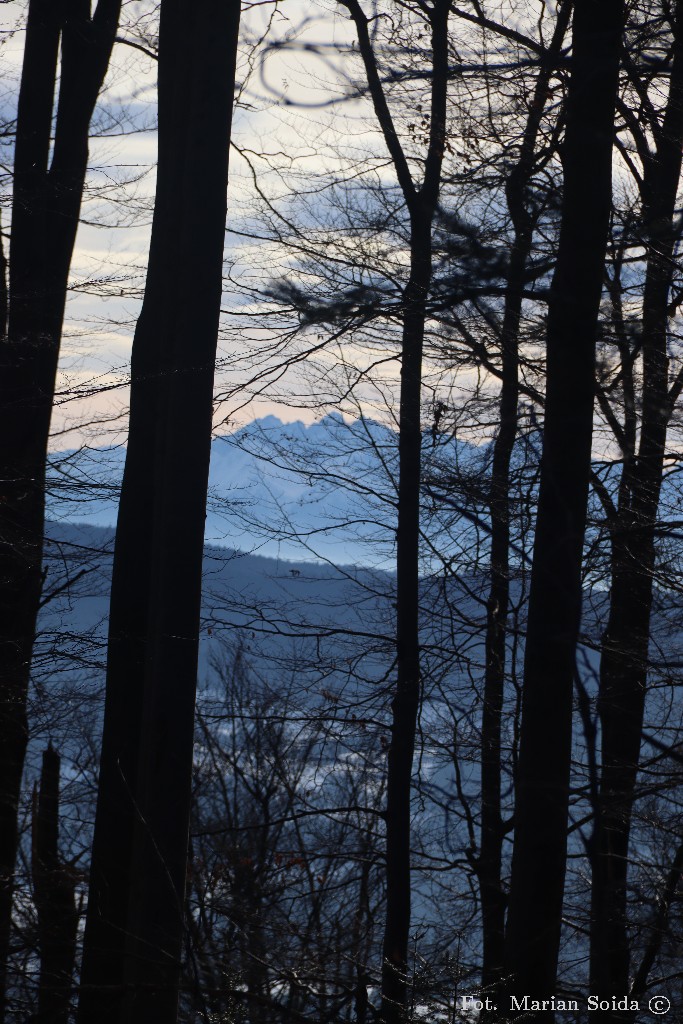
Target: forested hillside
340,512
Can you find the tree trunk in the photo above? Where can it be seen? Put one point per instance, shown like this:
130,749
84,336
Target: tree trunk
489,863
624,653
53,891
405,705
45,211
542,783
134,928
406,700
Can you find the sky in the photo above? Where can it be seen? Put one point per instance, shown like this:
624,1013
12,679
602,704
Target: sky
107,276
290,132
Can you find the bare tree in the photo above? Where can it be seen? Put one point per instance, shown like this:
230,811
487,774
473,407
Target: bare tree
518,191
65,41
632,519
543,774
286,876
134,929
421,203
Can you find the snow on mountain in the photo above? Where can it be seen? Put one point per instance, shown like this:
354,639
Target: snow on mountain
299,481
324,491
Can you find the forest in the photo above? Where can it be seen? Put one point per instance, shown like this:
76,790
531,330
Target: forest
341,631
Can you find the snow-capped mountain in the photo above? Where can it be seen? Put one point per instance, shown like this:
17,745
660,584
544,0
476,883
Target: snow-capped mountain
322,492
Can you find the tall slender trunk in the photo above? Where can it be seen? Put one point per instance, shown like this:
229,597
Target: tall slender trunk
54,894
624,652
133,939
406,700
405,705
542,783
489,864
48,187
490,860
421,204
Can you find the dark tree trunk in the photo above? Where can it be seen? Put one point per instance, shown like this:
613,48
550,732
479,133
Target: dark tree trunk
53,891
45,212
406,700
624,653
4,294
489,863
134,928
421,204
405,705
542,783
